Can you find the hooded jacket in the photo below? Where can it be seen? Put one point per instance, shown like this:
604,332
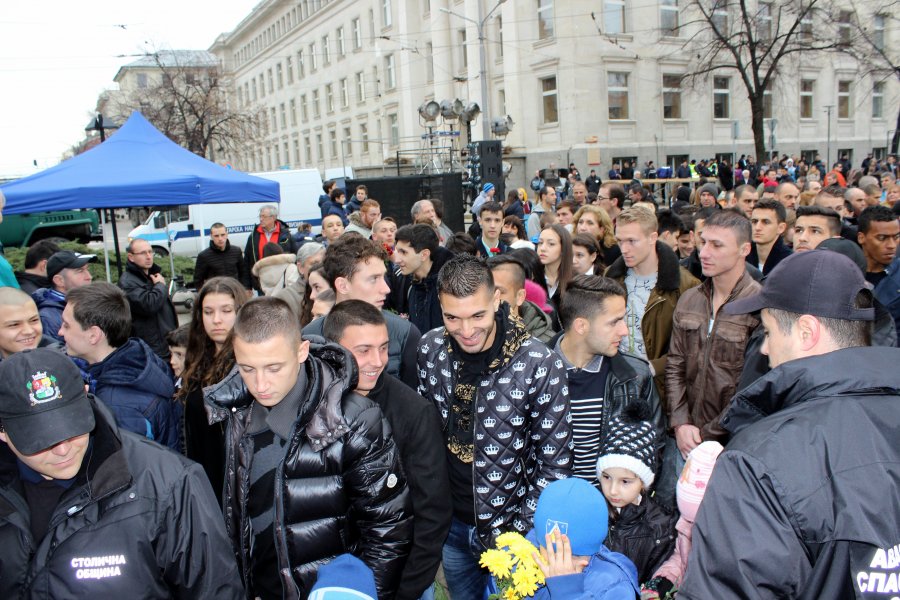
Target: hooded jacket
356,224
339,488
30,282
276,272
215,262
138,520
538,323
523,441
672,281
803,501
50,304
424,304
152,313
137,386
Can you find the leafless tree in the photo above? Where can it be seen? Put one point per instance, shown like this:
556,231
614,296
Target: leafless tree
756,40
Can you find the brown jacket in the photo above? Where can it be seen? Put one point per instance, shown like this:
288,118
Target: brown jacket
705,365
672,281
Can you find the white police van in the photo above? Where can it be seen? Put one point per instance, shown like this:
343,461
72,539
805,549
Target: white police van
185,229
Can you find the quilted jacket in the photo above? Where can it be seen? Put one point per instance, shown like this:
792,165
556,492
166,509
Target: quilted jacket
523,437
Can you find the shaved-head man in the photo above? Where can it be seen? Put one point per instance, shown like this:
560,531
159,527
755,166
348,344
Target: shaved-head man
20,323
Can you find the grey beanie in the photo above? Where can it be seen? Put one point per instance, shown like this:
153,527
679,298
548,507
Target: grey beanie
711,188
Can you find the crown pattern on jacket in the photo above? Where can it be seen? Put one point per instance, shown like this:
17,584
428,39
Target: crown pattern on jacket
517,394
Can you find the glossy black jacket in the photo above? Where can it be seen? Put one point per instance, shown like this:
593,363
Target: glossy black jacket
340,487
645,533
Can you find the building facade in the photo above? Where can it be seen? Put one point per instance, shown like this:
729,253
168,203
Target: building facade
339,83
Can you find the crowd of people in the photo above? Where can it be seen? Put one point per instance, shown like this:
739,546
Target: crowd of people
692,396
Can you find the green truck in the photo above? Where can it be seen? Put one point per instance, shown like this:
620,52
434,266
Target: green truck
23,230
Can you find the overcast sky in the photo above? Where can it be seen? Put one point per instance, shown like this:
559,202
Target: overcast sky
56,56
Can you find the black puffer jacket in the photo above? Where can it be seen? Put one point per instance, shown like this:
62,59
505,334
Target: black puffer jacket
139,521
803,501
523,438
227,262
340,487
645,533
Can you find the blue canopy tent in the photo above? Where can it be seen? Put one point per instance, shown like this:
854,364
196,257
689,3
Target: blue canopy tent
138,166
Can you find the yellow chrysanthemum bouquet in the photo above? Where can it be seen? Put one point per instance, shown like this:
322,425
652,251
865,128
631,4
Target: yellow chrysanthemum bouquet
513,566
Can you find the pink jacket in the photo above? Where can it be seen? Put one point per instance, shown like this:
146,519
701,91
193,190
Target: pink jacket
675,566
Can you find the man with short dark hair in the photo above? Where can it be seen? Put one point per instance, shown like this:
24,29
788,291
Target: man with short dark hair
611,198
803,501
769,222
509,279
361,329
504,407
93,511
355,269
220,259
603,380
879,234
312,472
124,372
745,198
490,217
813,226
34,277
546,204
419,257
66,271
707,347
152,312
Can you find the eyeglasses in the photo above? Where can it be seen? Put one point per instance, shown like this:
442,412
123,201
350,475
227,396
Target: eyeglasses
144,253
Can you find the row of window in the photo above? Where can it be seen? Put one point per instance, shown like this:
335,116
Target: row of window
618,98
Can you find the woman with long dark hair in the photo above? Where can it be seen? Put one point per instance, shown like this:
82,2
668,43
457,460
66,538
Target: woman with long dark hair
212,319
555,253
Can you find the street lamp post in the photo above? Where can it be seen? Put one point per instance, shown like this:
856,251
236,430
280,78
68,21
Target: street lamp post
482,61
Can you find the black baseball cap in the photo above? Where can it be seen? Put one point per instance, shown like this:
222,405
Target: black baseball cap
821,283
42,400
66,259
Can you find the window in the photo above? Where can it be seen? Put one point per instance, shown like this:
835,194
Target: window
668,17
360,87
287,154
429,62
389,72
262,86
300,72
347,141
545,19
548,93
142,81
371,24
671,96
341,45
767,103
501,101
499,37
386,15
320,149
807,89
721,100
294,115
878,31
289,67
394,128
878,100
304,111
315,102
463,51
345,93
253,87
357,33
844,26
247,91
844,100
719,18
806,24
274,119
764,21
329,98
296,152
332,143
364,137
613,17
283,116
313,60
617,92
271,81
307,149
279,76
809,156
326,50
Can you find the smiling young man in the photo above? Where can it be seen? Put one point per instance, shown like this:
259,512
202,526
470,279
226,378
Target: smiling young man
360,328
706,355
419,256
355,269
504,407
93,511
311,470
20,323
602,379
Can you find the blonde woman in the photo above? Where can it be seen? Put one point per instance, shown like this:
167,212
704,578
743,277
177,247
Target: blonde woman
593,220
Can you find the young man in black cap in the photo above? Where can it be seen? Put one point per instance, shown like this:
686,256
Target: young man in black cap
66,271
90,511
803,502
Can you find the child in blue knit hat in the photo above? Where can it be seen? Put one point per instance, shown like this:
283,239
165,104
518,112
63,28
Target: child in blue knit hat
570,524
344,578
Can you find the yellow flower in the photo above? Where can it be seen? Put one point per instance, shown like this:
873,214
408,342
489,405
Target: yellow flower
510,594
497,562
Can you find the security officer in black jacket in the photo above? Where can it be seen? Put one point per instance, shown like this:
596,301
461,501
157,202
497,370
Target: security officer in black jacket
91,511
804,501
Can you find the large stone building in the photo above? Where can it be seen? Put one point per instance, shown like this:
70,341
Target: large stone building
339,82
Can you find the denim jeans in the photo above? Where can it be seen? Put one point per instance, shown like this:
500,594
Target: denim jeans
462,550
